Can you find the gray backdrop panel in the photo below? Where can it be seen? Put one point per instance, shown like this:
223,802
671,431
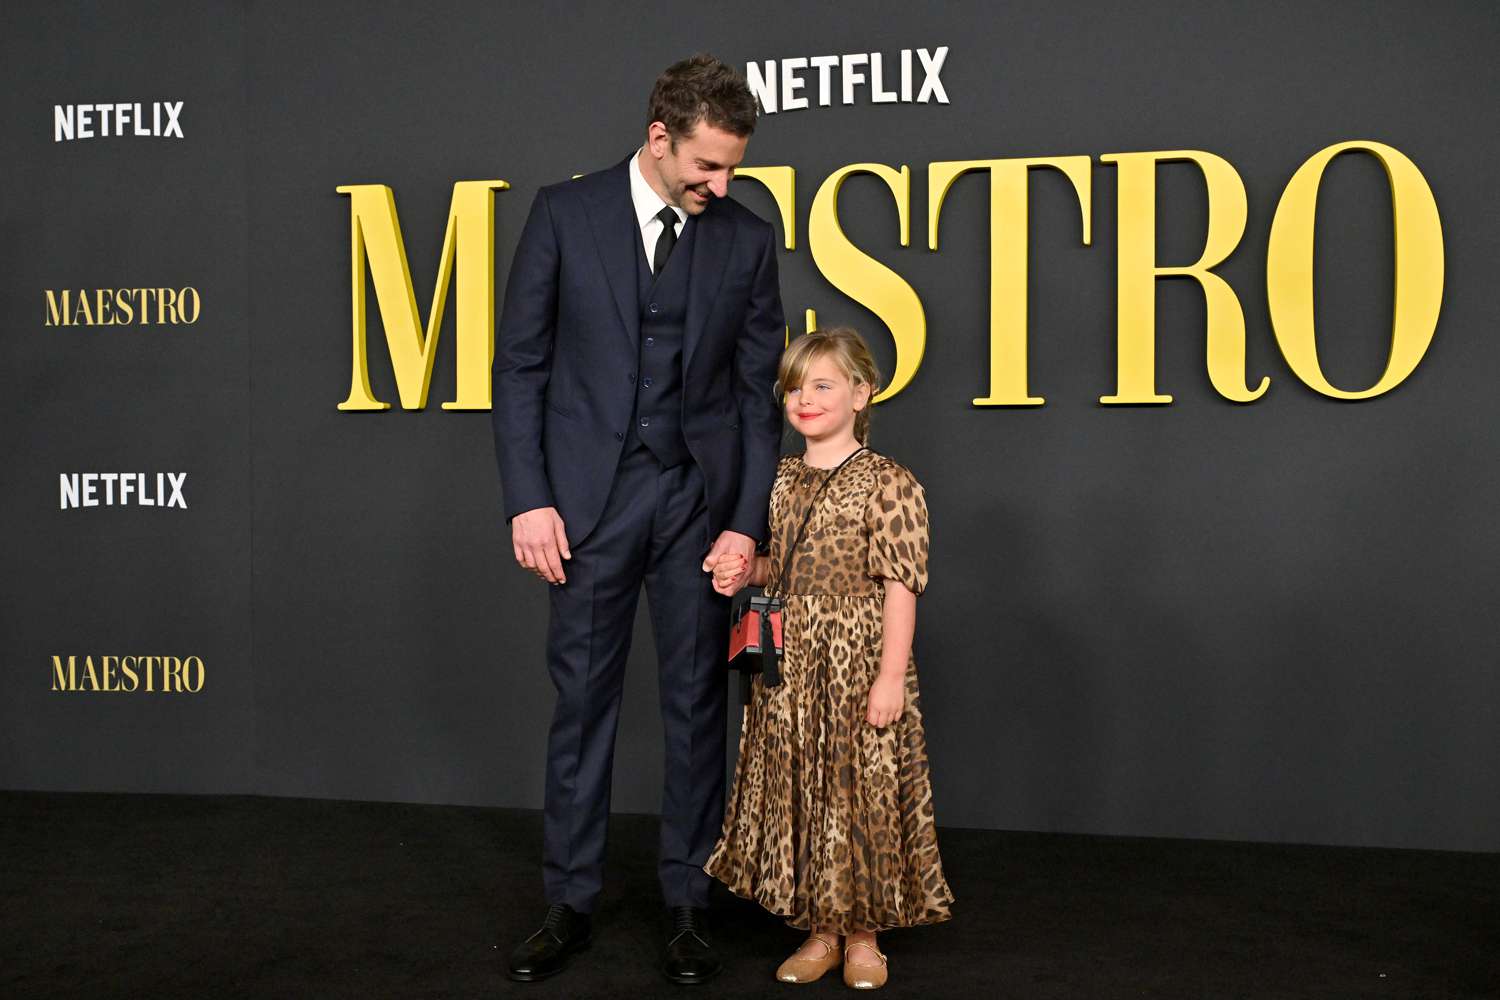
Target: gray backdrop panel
1205,620
125,580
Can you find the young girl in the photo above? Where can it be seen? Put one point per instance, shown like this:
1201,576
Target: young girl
830,823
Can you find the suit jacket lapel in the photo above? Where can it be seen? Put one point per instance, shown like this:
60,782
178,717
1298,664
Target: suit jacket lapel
711,244
618,238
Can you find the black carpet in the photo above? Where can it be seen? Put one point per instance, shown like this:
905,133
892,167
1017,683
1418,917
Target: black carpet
166,896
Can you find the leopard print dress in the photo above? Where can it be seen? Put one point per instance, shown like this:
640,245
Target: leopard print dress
829,822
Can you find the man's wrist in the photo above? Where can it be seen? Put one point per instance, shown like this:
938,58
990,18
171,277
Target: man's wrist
748,536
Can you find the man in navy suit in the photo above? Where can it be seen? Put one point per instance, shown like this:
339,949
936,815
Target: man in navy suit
638,433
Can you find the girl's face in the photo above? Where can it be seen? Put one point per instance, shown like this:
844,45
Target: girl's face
822,408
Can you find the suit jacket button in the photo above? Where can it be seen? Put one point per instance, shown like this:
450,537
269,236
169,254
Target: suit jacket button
645,421
654,308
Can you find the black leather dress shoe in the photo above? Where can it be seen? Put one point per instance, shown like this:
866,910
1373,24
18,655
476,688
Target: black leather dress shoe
546,952
688,958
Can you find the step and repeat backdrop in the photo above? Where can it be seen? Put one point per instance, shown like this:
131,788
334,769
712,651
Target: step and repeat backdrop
1188,312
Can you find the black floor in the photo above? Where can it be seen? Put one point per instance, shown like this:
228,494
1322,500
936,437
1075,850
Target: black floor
165,896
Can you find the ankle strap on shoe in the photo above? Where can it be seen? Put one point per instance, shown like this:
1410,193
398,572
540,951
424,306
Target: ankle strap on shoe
832,946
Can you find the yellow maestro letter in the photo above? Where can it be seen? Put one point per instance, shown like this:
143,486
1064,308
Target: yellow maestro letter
865,279
1419,268
1008,257
470,242
782,183
1137,271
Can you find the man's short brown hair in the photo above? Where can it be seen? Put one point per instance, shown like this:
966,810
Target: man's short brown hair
701,88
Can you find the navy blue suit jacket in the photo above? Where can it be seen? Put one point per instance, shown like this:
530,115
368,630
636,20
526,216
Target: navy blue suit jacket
569,343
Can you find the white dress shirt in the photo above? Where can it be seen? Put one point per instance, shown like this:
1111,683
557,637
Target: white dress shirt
647,204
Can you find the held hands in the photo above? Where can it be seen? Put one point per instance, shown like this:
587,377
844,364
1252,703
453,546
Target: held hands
730,561
887,700
731,572
541,543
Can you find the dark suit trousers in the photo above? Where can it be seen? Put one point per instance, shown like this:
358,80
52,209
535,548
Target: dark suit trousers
654,530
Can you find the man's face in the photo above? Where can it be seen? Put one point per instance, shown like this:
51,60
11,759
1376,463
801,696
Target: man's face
698,169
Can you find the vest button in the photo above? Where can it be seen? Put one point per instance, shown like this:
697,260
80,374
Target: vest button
646,382
645,421
650,341
619,436
654,308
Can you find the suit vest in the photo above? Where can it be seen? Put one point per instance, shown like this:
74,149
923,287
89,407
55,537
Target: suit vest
657,422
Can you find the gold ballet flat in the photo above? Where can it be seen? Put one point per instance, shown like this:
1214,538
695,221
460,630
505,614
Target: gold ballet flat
864,977
807,970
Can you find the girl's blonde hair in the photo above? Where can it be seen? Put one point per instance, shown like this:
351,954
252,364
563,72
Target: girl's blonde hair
848,351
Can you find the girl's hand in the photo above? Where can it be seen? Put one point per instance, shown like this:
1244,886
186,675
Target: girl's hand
887,701
730,573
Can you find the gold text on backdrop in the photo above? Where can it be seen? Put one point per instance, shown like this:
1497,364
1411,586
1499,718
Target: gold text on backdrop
121,306
127,674
469,253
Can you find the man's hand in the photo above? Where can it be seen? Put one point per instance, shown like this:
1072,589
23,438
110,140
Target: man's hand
731,543
541,543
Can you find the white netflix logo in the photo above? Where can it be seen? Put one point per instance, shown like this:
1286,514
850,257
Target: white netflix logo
779,84
88,121
121,489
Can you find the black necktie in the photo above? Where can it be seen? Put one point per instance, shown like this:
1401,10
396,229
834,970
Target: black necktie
666,241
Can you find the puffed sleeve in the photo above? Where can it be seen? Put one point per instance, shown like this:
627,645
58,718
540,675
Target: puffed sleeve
897,519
